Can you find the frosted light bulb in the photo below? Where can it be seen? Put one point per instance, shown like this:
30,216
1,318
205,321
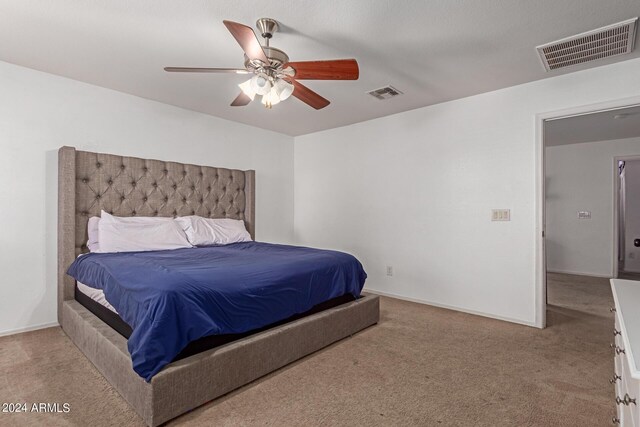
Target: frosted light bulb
260,84
271,98
283,88
247,89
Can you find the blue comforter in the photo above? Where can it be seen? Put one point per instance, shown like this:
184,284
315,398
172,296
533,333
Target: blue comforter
171,298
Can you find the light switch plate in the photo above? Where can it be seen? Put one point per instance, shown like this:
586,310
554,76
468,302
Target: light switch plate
500,215
584,214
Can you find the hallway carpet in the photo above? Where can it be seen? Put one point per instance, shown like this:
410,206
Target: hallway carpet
420,365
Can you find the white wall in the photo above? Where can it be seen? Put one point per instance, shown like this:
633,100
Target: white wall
632,215
415,190
40,112
580,177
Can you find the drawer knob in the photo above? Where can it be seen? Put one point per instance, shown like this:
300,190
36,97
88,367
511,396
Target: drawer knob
615,420
615,378
616,332
627,400
612,310
617,349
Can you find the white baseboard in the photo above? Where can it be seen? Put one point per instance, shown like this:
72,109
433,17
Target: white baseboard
579,273
28,329
454,308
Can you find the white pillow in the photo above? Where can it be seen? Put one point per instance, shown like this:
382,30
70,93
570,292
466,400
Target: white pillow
213,231
92,230
134,234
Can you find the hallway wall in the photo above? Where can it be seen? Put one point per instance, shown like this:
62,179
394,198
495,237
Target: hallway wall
579,177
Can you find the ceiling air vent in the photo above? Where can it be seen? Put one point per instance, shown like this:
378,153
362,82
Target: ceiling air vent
385,92
612,40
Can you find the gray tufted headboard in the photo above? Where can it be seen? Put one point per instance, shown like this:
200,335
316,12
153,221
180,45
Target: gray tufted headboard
128,186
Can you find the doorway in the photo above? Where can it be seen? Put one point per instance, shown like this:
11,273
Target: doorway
577,179
627,215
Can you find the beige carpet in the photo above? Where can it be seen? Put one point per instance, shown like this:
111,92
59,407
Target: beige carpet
420,366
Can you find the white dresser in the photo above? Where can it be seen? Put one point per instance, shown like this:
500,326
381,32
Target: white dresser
626,346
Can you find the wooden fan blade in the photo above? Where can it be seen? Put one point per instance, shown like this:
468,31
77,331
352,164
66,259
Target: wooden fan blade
205,70
307,96
247,40
337,69
241,100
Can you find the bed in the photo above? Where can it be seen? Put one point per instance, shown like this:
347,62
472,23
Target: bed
126,186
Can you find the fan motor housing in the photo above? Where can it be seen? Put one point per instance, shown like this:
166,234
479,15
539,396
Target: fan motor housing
276,56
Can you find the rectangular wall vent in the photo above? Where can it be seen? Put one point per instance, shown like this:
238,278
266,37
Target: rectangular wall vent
385,92
612,40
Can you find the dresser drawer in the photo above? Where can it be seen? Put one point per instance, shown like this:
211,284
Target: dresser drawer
625,390
626,351
625,419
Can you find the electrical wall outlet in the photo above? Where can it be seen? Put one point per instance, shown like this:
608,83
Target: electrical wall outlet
632,255
500,215
389,270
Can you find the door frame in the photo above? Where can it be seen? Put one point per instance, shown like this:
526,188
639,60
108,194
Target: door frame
540,252
616,203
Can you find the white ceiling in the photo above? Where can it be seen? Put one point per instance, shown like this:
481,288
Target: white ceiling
433,51
601,126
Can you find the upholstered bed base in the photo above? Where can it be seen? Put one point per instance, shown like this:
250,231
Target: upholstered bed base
89,182
190,382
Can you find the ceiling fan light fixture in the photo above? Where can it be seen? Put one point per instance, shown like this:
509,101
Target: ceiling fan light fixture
275,78
283,88
247,89
271,98
260,84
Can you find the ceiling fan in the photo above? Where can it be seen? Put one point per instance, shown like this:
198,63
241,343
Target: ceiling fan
274,77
